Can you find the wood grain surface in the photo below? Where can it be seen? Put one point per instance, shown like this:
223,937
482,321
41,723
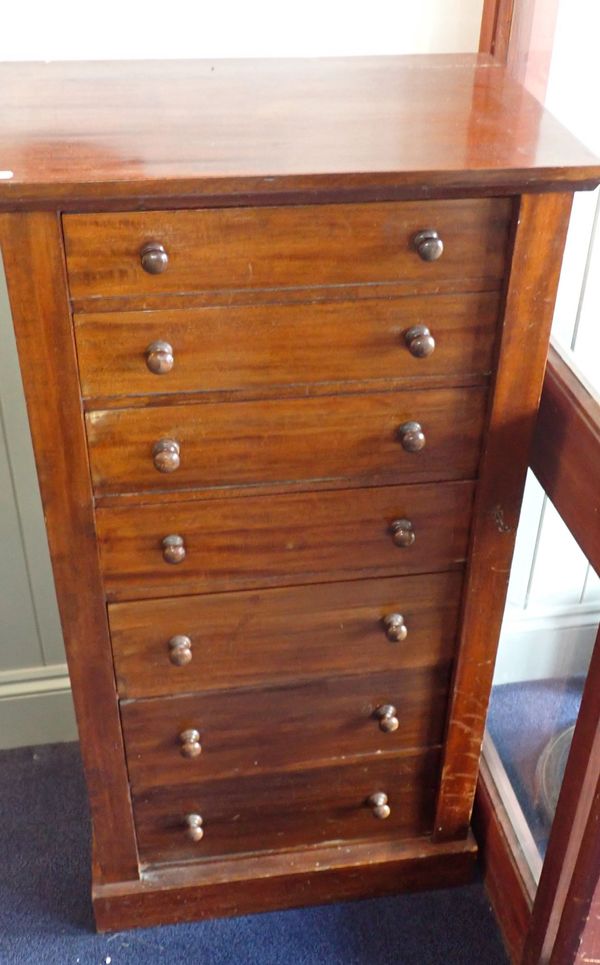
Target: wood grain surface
31,249
244,732
287,810
128,132
283,247
291,633
250,347
531,291
339,437
565,455
358,869
297,538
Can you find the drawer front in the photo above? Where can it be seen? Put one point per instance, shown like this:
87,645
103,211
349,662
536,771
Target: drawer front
266,636
280,247
259,541
252,347
286,810
350,438
181,740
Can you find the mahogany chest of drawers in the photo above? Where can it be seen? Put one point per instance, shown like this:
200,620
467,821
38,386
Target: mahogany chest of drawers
282,328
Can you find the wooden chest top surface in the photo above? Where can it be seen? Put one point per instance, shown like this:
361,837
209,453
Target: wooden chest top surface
417,125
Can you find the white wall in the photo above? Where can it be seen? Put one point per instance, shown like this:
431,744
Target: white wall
75,30
35,703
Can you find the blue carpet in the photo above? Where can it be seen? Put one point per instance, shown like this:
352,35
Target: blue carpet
523,717
46,916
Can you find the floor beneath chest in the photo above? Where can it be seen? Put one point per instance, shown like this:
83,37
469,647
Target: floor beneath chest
46,916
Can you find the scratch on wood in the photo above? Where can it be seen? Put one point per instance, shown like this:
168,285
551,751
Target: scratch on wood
498,517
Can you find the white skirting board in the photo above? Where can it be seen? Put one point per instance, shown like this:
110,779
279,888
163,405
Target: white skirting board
543,644
36,707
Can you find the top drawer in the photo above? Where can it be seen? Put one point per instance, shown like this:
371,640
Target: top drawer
288,247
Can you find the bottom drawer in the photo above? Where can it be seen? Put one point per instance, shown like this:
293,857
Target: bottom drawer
286,810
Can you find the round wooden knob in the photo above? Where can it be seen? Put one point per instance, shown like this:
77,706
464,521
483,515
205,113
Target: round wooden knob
411,436
173,549
420,341
180,650
378,802
395,627
154,258
159,358
194,829
165,455
190,743
403,532
428,244
387,717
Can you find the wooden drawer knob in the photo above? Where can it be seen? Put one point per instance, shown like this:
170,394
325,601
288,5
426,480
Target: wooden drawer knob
403,533
194,829
160,358
428,244
420,341
378,802
387,716
395,627
173,549
180,650
166,455
154,258
411,436
190,743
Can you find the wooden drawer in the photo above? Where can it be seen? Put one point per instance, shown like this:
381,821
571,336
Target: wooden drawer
267,636
282,247
285,810
350,438
292,538
246,731
256,346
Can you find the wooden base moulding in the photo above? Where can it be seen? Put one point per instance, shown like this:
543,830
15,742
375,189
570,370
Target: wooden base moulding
290,879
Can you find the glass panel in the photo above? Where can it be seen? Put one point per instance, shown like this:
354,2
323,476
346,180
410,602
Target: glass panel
545,649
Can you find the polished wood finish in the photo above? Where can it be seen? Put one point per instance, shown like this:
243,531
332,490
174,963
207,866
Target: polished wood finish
297,538
245,268
531,291
251,347
280,810
496,26
89,135
31,248
363,869
508,880
293,633
278,727
248,297
363,438
578,933
565,915
567,430
283,247
566,452
570,873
